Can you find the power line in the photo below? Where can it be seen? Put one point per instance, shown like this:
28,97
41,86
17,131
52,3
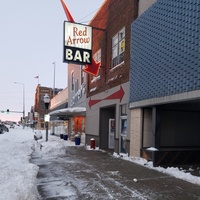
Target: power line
87,16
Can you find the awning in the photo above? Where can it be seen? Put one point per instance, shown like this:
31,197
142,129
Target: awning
62,106
69,112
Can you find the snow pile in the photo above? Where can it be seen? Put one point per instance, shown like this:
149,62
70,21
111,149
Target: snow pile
173,171
17,174
55,146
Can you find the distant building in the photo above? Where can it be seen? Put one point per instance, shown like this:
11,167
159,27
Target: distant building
59,124
39,106
77,98
72,116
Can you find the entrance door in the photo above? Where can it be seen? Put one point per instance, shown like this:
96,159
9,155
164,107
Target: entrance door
111,134
123,134
106,139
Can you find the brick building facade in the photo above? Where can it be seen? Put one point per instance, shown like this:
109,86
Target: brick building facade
39,106
108,94
109,20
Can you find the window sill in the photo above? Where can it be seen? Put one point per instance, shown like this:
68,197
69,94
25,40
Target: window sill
117,66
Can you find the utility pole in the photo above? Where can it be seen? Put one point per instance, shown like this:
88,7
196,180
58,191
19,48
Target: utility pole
54,63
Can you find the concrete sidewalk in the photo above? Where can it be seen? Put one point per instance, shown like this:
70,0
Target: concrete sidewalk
83,174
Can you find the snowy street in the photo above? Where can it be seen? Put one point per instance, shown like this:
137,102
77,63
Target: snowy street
66,171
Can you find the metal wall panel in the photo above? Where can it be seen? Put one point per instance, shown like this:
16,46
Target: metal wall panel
165,50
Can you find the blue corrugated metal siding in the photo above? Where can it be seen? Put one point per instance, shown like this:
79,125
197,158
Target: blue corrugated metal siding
165,50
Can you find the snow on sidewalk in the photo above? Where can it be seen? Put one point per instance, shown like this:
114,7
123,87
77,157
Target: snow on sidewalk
18,175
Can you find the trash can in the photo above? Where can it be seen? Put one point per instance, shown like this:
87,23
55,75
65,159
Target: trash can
92,143
61,136
65,137
77,140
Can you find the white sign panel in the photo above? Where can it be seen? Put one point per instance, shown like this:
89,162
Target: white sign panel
46,118
77,43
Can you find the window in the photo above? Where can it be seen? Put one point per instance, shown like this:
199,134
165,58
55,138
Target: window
72,80
76,86
82,75
118,48
123,109
97,56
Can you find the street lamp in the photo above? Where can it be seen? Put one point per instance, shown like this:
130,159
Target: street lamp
46,103
23,98
54,63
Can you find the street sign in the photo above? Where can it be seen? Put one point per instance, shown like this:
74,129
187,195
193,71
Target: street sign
77,43
92,67
46,118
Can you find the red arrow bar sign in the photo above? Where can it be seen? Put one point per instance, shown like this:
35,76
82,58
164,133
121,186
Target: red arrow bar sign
116,95
94,67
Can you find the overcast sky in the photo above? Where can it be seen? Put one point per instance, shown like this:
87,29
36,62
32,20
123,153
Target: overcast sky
31,40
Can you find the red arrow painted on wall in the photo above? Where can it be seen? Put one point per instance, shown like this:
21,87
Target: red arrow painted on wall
94,67
116,95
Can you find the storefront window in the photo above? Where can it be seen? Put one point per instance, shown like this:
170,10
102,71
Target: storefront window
118,48
79,124
123,128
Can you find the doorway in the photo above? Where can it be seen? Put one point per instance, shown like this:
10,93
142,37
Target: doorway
106,133
123,134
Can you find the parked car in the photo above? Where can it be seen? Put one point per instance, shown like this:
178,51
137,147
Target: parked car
3,128
6,129
12,126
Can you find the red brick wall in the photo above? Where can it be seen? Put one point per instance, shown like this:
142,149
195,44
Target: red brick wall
112,17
